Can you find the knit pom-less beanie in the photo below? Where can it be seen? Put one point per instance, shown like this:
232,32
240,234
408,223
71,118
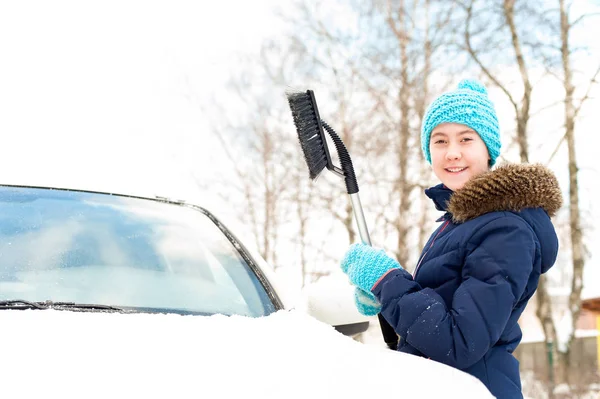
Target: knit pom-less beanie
468,105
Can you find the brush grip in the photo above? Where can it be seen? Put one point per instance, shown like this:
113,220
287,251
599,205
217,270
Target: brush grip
345,160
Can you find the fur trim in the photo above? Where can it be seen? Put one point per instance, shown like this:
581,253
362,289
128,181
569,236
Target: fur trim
510,187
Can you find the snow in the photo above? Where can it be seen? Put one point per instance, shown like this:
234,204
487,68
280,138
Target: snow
285,355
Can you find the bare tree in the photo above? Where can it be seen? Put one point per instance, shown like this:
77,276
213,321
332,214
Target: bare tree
397,68
420,109
379,90
571,109
251,131
397,22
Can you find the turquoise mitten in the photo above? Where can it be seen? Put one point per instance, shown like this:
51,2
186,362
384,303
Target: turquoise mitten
366,303
365,265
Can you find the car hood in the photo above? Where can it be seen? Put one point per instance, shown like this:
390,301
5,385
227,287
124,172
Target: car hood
287,354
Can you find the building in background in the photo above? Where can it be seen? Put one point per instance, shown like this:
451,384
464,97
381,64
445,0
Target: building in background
533,354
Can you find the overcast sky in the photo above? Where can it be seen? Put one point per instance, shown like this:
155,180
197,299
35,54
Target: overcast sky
109,91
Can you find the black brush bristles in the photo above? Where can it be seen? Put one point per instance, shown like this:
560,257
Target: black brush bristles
310,132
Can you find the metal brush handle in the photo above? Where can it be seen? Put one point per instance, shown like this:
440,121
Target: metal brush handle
360,219
389,335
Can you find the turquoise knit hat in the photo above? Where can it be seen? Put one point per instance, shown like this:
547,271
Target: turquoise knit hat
468,105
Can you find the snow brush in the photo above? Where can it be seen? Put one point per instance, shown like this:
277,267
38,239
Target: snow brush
311,134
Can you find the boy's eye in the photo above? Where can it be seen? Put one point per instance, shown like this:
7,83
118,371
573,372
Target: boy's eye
467,139
439,142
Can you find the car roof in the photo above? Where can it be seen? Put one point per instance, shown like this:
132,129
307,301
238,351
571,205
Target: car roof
114,187
139,195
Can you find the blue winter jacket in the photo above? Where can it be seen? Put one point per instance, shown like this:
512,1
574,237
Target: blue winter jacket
476,274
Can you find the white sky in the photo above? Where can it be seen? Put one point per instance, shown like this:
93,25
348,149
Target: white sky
107,91
287,355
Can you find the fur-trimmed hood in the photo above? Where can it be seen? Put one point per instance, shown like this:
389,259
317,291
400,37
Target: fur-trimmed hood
530,190
510,187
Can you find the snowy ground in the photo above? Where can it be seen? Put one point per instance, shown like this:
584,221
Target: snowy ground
286,355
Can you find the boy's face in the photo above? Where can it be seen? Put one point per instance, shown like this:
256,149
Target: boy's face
457,154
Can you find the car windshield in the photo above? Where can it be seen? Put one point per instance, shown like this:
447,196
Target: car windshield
82,247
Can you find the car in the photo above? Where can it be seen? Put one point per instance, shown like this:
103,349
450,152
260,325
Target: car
114,295
92,251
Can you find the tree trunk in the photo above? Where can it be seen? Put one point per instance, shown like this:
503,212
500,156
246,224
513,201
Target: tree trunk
577,247
403,187
424,170
523,111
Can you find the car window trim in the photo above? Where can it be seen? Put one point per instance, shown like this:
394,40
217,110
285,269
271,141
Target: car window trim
245,254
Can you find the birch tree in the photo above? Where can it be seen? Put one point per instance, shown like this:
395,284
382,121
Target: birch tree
572,106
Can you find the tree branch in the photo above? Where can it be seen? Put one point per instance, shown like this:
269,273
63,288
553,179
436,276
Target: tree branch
588,91
473,54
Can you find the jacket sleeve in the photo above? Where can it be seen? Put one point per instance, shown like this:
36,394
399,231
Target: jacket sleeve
499,259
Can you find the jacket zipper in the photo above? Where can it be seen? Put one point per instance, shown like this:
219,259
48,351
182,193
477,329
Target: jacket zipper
430,245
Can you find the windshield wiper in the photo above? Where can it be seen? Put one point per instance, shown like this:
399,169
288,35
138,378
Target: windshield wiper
20,304
82,306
